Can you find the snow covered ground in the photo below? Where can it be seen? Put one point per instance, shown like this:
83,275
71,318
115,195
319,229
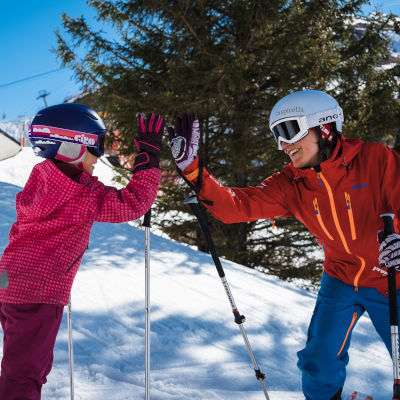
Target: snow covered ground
197,351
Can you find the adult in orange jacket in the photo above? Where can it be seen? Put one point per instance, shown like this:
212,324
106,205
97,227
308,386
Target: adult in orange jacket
338,188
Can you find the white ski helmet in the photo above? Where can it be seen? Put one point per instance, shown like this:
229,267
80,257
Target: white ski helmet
296,113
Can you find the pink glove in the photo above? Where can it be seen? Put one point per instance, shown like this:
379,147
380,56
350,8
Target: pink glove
148,141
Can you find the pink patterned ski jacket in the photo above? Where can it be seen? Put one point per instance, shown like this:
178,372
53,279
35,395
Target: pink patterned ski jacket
54,217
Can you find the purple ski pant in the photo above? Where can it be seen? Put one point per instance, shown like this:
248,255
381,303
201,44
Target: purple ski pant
30,332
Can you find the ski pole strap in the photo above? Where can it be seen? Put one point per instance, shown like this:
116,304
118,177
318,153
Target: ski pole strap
193,202
147,219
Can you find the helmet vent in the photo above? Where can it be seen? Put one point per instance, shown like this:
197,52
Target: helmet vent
92,116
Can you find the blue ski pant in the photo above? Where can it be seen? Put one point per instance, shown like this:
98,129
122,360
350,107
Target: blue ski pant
323,361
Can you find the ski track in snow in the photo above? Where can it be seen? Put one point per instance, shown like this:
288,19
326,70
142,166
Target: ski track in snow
197,351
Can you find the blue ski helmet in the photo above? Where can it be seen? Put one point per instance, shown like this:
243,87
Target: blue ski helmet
65,131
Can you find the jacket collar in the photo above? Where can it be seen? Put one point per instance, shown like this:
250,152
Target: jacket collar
338,164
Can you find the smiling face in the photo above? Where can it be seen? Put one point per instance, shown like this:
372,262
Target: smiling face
88,163
305,153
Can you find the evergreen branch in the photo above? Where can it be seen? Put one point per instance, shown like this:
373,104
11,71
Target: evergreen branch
78,65
72,56
250,40
219,84
196,103
191,29
96,40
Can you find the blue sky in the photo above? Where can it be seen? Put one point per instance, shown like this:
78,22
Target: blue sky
26,38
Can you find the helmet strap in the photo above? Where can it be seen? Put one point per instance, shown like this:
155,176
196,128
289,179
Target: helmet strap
327,138
322,144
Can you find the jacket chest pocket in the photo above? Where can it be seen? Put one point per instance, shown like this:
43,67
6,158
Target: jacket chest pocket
350,216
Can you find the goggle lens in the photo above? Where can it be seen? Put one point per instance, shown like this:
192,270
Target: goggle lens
93,150
286,130
99,150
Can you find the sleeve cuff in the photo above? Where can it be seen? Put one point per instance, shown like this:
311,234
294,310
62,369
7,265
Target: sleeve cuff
192,171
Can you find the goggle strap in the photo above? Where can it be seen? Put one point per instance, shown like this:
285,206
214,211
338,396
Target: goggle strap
325,117
64,135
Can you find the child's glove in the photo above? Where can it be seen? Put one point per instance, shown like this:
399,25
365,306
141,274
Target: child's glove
148,141
390,252
184,140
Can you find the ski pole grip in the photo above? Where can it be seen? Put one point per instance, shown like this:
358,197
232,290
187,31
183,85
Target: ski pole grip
388,227
147,219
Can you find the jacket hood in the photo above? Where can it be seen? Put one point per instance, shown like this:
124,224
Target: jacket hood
48,188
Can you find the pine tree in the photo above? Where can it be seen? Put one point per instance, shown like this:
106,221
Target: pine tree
229,61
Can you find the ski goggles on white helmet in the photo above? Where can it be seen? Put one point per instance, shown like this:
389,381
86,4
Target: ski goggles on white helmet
294,128
93,141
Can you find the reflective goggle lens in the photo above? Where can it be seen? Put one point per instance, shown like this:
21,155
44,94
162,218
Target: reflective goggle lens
93,150
286,130
99,150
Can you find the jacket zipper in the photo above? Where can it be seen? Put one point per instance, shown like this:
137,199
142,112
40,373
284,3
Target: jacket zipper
353,320
339,229
319,218
351,217
76,260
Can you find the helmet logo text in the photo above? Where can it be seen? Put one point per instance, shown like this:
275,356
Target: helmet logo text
84,140
290,110
41,130
328,118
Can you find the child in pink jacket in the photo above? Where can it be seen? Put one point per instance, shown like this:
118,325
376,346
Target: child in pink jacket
55,213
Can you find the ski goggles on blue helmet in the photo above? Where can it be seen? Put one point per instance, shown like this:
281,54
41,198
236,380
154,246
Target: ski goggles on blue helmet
93,141
294,128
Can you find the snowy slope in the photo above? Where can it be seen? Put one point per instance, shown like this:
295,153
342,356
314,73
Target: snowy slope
197,350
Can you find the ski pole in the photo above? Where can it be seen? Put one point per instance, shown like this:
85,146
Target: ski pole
394,318
70,351
193,202
146,224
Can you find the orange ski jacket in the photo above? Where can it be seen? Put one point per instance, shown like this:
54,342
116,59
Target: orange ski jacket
340,205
